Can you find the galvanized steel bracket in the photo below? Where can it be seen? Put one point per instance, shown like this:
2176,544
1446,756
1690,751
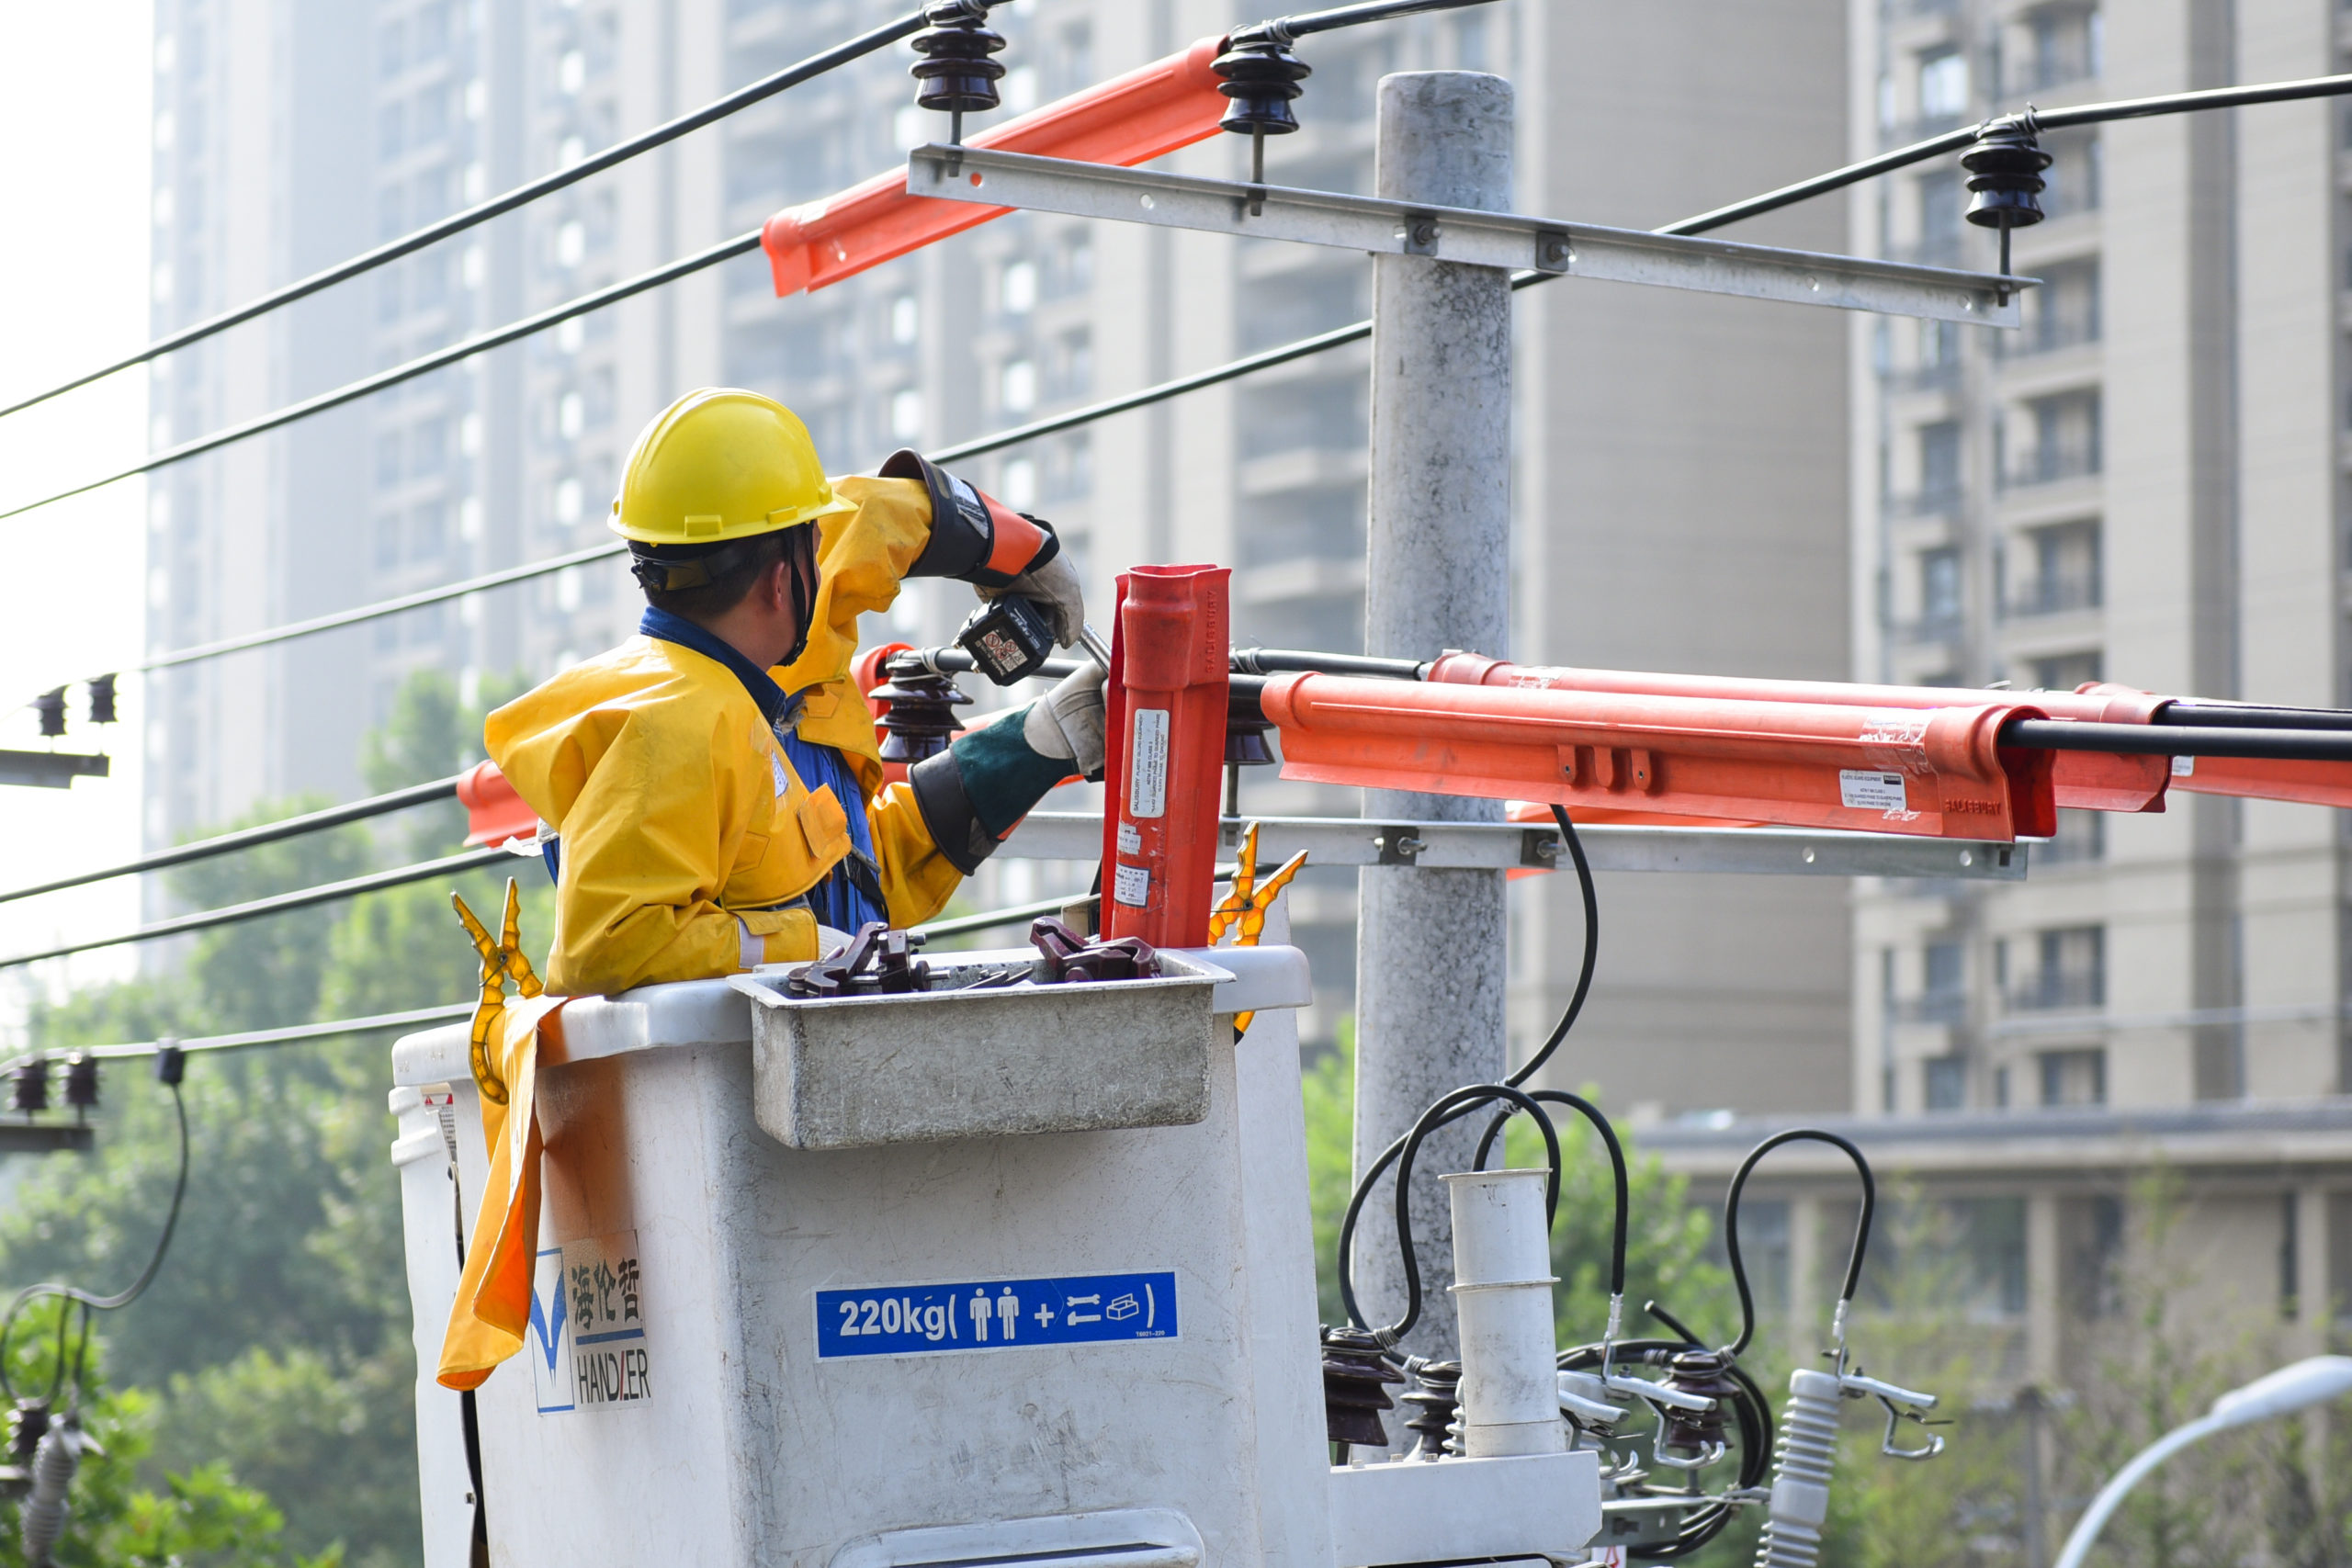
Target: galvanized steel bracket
992,178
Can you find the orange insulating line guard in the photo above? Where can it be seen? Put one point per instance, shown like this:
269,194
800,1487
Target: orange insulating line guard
1152,109
494,813
1937,774
2087,780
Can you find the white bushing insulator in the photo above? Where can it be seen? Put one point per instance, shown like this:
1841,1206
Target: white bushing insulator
42,1520
1502,1295
1808,1442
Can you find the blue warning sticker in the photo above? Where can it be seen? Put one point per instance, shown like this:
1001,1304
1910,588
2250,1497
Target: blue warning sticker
995,1315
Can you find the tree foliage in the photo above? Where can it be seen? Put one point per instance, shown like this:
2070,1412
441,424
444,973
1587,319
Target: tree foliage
269,1368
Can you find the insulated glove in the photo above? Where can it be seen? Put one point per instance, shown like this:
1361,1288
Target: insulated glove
978,539
1067,721
1054,587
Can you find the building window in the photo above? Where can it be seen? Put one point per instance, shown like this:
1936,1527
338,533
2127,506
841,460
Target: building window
1942,201
2067,573
1945,1083
2073,1078
2065,43
2075,180
2066,671
2066,439
1939,586
2063,313
1017,386
2071,971
1017,287
2081,838
1992,1242
1943,85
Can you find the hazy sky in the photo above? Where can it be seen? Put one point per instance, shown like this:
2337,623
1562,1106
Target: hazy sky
74,133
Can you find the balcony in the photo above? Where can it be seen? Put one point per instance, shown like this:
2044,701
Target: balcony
1935,627
2046,336
2058,992
2055,595
1944,1009
2050,465
1938,501
1940,377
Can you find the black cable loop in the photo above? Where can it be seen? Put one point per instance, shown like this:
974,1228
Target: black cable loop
1731,1222
1591,1113
1449,1108
1591,953
92,1303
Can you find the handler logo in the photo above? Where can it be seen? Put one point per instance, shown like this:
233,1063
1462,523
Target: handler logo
586,1342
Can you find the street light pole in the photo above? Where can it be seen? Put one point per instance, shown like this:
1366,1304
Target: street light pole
2307,1383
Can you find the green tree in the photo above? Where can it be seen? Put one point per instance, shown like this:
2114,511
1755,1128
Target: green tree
198,1515
273,1346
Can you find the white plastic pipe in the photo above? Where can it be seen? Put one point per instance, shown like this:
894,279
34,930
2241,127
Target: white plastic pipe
2314,1380
1502,1293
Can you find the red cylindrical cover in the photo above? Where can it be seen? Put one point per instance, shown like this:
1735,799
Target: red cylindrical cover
1166,732
1152,109
2088,781
494,813
1938,773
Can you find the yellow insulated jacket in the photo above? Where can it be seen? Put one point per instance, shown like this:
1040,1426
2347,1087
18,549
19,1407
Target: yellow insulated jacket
678,810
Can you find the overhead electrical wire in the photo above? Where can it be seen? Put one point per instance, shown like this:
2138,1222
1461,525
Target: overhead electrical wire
481,212
277,904
2087,114
250,837
1319,343
424,365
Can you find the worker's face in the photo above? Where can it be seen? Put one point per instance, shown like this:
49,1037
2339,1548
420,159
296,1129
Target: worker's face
794,587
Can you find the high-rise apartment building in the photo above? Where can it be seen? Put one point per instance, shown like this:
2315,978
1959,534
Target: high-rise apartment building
1679,478
2146,484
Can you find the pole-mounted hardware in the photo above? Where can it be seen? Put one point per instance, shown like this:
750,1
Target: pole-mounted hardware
955,73
2004,179
1261,79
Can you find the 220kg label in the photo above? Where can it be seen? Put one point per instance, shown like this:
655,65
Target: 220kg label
995,1315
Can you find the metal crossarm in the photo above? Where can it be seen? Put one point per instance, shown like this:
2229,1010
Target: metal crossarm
1460,234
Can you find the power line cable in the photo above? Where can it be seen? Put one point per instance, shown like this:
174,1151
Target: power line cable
250,837
377,610
481,212
278,903
465,348
246,1039
1355,332
2038,120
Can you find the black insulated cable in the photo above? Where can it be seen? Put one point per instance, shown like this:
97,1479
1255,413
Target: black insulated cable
249,838
2191,714
1311,22
277,904
87,1302
2053,120
465,348
1600,1124
457,223
2329,745
1293,660
1731,1224
1448,1107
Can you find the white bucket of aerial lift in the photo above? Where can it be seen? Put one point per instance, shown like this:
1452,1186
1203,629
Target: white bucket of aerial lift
1502,1290
1148,1393
925,1066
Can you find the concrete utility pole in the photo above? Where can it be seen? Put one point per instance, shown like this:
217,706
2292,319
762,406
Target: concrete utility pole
1430,944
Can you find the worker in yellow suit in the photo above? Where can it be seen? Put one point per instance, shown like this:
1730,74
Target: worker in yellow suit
714,783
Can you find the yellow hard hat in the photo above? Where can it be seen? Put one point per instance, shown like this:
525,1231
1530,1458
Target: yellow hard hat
721,463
